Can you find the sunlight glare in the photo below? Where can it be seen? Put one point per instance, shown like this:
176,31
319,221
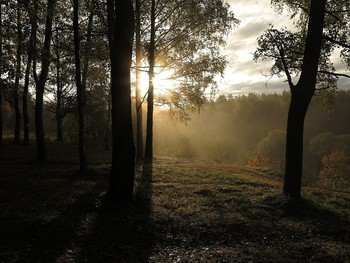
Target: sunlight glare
162,82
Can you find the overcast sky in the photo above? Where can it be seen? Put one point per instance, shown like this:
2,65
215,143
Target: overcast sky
243,74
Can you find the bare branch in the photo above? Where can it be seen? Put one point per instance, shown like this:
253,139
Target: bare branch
334,74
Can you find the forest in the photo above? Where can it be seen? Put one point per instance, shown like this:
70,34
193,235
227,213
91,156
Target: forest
117,144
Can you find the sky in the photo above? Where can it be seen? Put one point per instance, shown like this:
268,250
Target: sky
243,75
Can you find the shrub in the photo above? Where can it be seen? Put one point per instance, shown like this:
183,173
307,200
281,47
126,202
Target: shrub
335,172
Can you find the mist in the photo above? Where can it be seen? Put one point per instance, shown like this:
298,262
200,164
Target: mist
248,130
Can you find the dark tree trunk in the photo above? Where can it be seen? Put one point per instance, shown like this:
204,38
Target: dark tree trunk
41,80
1,84
121,30
108,121
150,97
87,50
139,128
25,99
80,88
39,125
30,50
59,115
302,94
17,132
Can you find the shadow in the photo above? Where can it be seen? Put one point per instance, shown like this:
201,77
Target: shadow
123,232
41,240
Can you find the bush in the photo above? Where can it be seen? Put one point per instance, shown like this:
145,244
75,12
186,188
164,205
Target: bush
270,152
335,172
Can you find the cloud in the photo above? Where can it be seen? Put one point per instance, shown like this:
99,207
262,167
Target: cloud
243,74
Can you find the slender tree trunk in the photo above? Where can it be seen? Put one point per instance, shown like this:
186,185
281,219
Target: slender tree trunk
108,121
1,84
87,50
139,131
17,131
80,88
30,51
302,94
150,97
59,115
25,99
41,79
121,30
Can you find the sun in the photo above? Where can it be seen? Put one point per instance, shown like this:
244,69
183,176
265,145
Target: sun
162,82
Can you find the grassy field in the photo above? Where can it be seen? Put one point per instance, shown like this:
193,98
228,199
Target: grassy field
184,211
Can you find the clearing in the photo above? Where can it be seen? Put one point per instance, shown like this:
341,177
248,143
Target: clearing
185,211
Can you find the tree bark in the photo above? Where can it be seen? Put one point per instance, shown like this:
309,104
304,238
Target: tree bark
30,50
121,30
25,99
59,115
17,131
302,94
108,121
139,128
80,88
150,97
41,80
1,84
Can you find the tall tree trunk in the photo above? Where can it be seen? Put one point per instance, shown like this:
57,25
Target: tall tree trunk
25,99
30,51
1,84
302,94
139,128
108,121
86,57
121,30
80,88
41,79
150,97
59,115
17,131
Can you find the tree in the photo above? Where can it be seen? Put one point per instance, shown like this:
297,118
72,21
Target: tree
17,130
30,50
185,37
40,80
80,87
120,36
150,94
1,84
64,98
313,64
139,129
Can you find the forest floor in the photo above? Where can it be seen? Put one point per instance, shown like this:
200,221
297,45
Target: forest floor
185,211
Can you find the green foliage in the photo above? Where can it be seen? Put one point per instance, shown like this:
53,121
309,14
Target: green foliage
190,36
272,147
323,144
285,47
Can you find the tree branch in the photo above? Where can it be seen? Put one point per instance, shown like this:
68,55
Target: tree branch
336,42
334,74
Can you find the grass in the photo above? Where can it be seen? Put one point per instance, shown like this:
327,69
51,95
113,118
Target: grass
184,211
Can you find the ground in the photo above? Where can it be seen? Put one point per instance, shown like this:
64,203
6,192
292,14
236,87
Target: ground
185,210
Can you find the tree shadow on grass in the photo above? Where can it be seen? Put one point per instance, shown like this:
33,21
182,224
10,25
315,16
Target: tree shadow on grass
272,232
37,240
123,232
